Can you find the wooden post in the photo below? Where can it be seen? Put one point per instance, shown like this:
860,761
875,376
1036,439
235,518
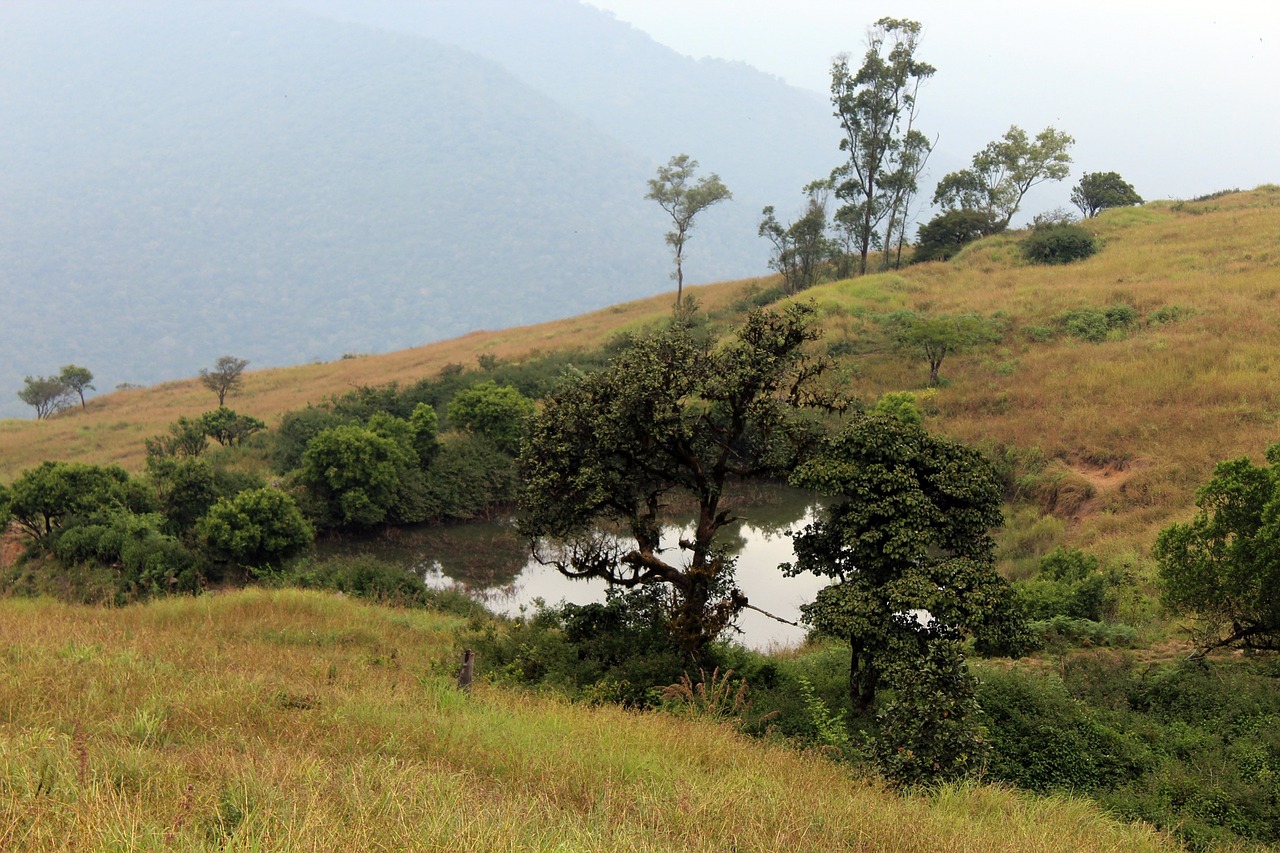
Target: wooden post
467,671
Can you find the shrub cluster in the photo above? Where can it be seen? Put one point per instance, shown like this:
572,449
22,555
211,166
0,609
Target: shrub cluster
1058,244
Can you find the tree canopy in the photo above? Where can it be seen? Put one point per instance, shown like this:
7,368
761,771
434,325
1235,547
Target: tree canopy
1098,191
908,546
1223,567
498,412
225,376
673,417
1004,171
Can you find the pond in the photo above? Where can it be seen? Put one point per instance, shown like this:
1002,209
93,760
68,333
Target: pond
491,562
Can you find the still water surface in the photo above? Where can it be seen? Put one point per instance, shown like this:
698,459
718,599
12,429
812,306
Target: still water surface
492,563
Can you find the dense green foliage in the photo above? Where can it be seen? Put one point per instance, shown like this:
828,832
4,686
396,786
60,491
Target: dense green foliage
46,497
144,559
498,412
673,415
257,529
909,535
1058,244
942,237
1223,567
1099,191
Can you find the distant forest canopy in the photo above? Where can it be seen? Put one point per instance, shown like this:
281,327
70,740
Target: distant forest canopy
186,180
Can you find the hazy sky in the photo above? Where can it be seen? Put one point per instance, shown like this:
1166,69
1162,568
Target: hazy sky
1181,98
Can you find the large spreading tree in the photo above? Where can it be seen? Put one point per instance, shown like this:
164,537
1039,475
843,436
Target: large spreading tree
674,418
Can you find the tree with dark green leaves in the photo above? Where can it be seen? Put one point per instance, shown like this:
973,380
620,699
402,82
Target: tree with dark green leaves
42,498
225,377
1223,567
1099,191
355,475
908,546
229,428
76,380
942,238
936,337
674,417
257,529
1004,171
45,394
877,108
498,412
676,192
802,247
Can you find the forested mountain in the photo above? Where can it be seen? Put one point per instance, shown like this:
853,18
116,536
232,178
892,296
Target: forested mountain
186,180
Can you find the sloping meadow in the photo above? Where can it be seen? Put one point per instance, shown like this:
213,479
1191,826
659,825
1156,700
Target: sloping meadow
293,720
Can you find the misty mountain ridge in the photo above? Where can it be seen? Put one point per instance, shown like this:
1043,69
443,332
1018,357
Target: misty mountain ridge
277,183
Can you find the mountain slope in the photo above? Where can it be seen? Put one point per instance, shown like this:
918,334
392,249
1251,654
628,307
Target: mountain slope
187,181
765,138
1110,438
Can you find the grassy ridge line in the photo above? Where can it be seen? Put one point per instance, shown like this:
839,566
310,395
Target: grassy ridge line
305,721
116,424
1162,404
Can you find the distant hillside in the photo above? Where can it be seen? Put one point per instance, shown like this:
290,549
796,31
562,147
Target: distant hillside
188,180
765,138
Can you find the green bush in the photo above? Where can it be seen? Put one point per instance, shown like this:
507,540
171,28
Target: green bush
1060,632
256,530
1042,739
146,560
618,650
942,237
1058,244
1166,314
1095,324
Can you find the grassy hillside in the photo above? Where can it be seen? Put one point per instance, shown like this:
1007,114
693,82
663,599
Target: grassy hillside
1113,437
302,721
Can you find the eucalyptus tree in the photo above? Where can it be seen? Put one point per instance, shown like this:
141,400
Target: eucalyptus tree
1004,171
877,109
683,198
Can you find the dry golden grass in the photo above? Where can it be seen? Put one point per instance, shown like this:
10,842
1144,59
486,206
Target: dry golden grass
302,721
115,425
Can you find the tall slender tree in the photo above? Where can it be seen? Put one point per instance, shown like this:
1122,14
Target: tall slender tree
876,106
676,192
